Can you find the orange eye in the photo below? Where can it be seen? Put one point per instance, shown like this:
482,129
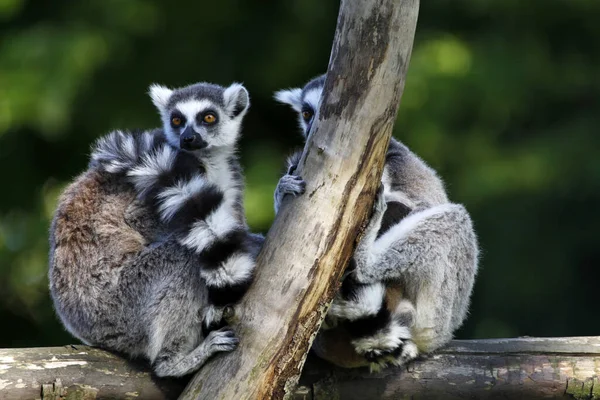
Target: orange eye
307,115
176,121
209,118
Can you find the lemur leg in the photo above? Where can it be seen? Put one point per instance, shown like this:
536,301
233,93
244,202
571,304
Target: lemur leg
162,287
288,184
434,253
171,361
378,323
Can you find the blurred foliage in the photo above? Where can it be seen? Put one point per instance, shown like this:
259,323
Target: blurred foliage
502,98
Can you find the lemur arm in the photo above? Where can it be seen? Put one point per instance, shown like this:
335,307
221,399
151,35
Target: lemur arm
289,183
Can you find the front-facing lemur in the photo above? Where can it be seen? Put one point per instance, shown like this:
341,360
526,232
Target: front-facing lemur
150,244
408,285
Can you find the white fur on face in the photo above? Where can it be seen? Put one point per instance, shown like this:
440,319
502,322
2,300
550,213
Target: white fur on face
229,130
313,99
191,108
225,133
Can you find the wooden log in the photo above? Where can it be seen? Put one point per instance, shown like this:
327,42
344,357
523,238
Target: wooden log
311,241
78,372
524,368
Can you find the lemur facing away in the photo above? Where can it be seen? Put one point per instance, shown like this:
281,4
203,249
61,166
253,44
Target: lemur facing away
150,244
408,285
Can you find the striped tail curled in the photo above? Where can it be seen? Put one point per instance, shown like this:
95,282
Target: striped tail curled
203,219
120,151
380,333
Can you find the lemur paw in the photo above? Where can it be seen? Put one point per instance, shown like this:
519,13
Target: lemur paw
222,340
389,346
291,184
401,355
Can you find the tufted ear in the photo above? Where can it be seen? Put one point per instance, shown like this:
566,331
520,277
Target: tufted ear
292,97
236,99
160,95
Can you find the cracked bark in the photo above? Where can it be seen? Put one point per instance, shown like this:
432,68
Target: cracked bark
526,368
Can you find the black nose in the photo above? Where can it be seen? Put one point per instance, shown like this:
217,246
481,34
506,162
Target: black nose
190,140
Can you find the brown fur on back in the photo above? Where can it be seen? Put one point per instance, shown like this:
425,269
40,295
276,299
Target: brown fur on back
91,238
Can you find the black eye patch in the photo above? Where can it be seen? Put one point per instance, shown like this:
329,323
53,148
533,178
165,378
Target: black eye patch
207,117
307,112
177,120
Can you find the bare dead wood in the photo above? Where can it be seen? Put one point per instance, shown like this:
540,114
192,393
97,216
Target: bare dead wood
310,243
525,368
78,372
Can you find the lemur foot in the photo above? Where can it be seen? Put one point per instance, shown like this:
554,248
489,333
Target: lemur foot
391,345
384,342
222,340
401,355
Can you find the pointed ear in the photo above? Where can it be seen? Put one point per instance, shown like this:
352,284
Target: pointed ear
292,97
236,99
160,95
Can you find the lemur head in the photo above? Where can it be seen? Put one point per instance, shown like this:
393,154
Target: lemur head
305,101
202,115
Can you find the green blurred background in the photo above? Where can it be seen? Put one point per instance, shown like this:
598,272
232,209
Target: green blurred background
502,98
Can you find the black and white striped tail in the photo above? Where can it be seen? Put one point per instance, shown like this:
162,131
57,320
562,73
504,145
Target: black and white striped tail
119,151
203,218
198,213
376,331
382,336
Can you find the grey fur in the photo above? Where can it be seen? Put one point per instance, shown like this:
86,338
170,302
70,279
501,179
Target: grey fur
198,91
289,184
432,253
121,274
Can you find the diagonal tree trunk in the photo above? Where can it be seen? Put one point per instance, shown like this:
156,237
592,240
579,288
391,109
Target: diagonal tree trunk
311,241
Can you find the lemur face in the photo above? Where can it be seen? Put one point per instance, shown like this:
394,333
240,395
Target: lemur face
305,101
201,116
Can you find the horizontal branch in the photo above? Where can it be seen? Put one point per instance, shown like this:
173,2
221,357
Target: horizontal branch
510,368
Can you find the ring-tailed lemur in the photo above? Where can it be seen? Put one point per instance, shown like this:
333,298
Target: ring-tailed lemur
150,244
408,285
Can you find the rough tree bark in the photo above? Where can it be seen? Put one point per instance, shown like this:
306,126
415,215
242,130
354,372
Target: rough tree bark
309,244
524,368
